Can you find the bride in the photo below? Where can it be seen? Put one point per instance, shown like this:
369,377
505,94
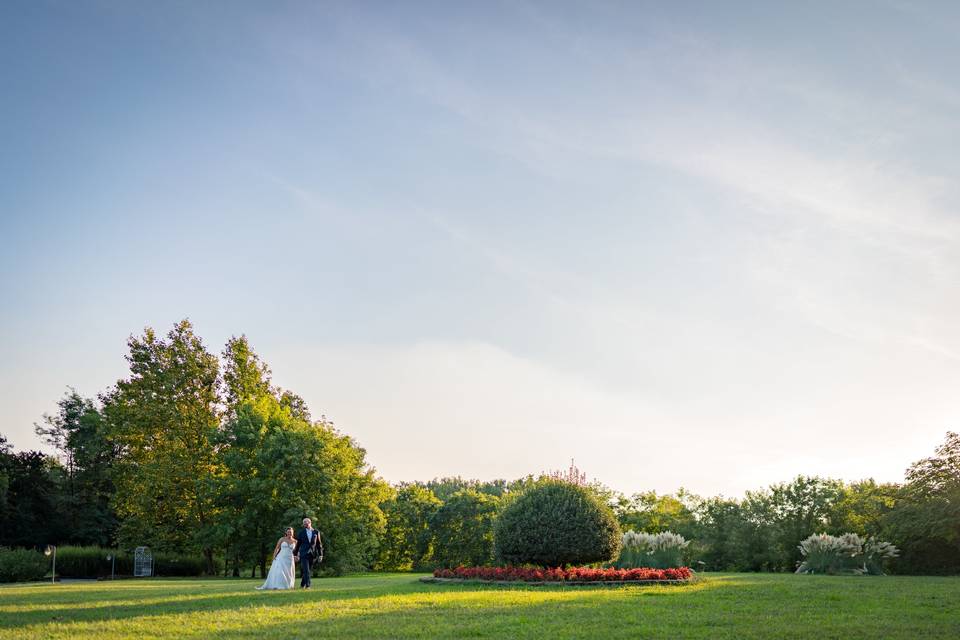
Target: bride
281,571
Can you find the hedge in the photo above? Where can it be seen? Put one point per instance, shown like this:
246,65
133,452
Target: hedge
91,562
22,565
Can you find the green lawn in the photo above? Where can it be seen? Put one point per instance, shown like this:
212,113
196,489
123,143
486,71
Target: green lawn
398,606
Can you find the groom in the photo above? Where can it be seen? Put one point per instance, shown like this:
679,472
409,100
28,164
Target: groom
308,548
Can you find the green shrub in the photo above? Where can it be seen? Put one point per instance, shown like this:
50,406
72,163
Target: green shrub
555,524
178,564
659,551
91,562
22,565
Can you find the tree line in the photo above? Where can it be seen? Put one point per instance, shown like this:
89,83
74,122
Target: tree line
199,453
449,522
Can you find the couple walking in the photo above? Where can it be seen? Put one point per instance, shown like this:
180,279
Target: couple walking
306,546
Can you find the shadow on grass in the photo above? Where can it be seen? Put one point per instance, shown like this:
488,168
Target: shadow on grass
81,604
106,601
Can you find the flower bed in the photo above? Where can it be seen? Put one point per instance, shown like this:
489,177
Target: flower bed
572,575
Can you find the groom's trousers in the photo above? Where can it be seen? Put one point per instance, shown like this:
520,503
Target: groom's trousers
305,571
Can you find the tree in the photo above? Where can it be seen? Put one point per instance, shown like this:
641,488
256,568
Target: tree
280,469
925,523
407,540
654,513
557,523
799,508
862,508
296,405
165,419
444,488
4,480
245,376
29,502
78,433
330,482
241,523
718,522
463,529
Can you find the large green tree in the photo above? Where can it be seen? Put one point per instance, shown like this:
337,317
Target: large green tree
243,522
78,432
279,466
245,376
164,419
925,523
29,491
332,483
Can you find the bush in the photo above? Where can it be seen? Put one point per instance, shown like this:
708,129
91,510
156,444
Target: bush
554,524
91,562
178,564
661,551
823,553
22,565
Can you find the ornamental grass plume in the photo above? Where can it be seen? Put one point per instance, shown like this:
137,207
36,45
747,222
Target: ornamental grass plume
847,553
875,553
662,550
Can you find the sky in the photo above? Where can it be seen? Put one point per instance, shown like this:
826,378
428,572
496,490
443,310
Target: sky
697,244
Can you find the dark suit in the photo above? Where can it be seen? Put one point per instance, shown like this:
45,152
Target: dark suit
308,547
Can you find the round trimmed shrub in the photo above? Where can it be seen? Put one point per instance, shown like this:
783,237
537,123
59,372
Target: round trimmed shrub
555,524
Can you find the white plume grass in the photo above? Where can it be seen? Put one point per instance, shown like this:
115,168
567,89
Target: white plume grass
662,550
847,553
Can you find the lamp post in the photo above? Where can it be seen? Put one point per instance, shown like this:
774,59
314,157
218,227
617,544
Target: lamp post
52,550
113,563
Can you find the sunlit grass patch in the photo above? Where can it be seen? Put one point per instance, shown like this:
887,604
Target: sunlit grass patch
399,606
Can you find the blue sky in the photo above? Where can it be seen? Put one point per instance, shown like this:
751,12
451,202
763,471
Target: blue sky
485,239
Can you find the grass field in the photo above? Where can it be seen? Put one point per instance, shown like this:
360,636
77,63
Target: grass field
398,606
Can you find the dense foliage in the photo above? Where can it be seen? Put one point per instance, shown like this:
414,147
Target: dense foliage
408,539
555,524
86,488
22,565
193,459
463,529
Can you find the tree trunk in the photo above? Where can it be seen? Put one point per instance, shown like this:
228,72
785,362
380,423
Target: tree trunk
208,554
236,565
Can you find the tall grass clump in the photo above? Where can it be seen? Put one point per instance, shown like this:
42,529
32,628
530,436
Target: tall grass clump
91,562
847,553
654,550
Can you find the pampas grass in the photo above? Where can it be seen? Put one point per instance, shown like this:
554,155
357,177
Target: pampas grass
659,551
847,553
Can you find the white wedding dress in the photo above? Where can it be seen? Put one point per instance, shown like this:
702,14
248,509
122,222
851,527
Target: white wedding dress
282,571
